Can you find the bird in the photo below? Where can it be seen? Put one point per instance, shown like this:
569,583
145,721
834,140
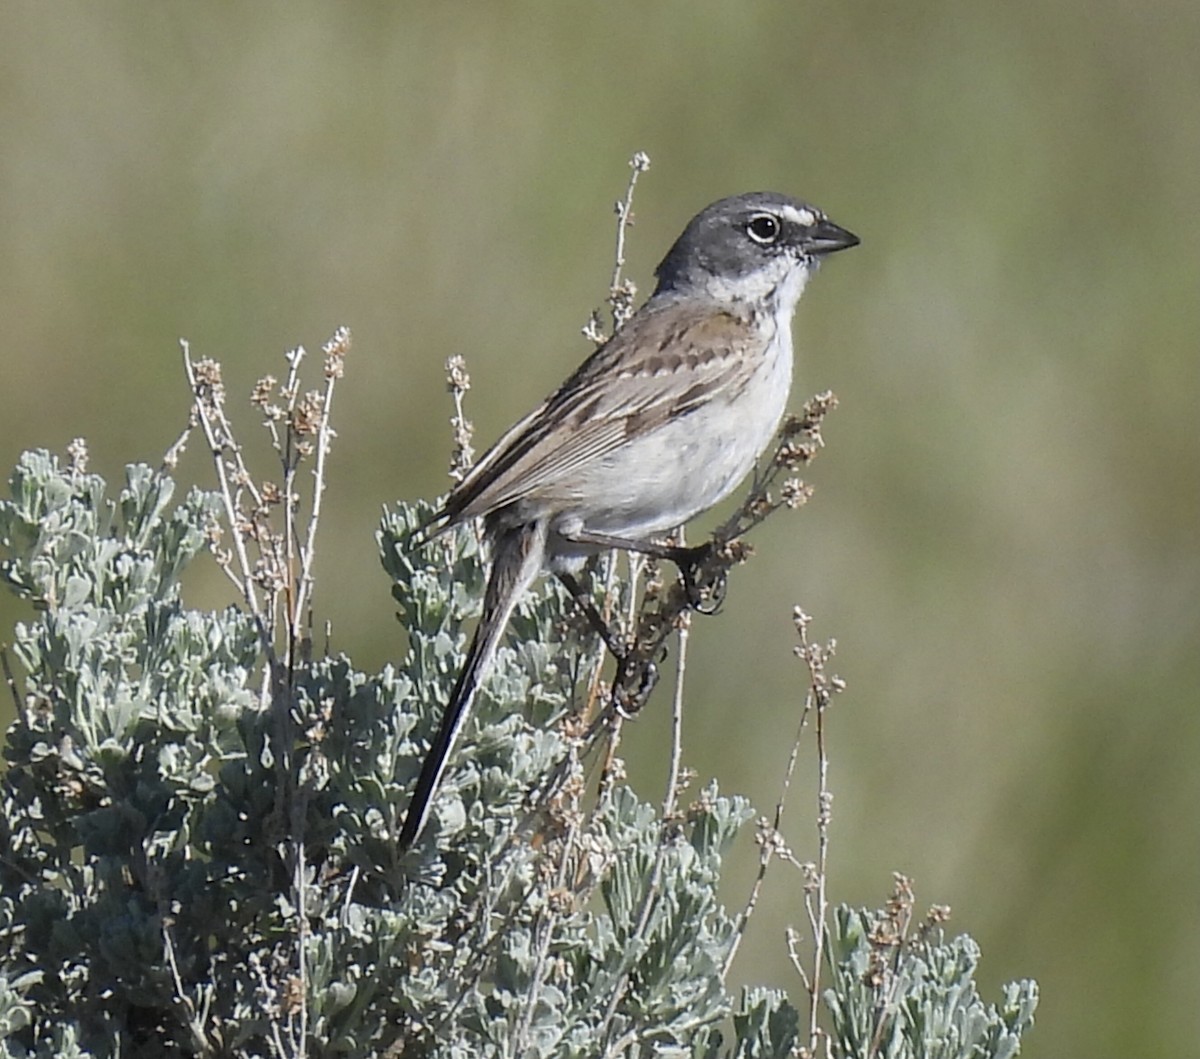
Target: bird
656,426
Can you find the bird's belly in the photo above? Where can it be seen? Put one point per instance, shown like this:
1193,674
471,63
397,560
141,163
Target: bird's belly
655,483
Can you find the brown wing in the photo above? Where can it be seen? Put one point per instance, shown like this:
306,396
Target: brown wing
665,362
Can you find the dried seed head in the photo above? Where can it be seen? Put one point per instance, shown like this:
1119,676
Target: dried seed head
458,379
78,452
335,351
260,396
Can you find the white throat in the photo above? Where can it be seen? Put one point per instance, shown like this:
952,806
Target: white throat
776,287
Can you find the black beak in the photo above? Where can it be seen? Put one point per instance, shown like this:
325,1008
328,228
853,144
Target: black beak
825,237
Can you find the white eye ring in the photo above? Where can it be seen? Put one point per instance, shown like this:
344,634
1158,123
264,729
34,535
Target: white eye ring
764,228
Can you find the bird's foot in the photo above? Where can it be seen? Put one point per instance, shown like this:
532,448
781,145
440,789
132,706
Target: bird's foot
704,582
632,684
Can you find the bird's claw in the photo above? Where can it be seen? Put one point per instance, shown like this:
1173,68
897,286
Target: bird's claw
628,700
703,596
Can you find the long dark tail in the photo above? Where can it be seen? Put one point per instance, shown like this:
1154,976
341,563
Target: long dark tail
518,556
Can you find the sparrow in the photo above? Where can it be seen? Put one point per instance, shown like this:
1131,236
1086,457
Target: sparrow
658,425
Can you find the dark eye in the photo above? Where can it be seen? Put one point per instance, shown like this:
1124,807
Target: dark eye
764,228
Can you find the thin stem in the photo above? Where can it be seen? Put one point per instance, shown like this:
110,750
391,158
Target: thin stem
616,720
208,413
673,764
291,500
768,840
672,795
638,164
667,829
171,456
302,947
324,440
633,946
794,957
194,1025
544,932
824,816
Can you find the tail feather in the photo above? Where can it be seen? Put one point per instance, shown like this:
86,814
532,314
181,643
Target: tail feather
518,555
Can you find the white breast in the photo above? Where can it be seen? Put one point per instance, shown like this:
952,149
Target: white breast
664,479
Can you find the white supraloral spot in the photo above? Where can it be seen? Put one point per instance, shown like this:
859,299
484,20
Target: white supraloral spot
804,217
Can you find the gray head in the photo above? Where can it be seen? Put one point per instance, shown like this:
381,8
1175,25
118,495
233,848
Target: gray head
752,248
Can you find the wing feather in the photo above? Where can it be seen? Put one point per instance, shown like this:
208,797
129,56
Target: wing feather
659,366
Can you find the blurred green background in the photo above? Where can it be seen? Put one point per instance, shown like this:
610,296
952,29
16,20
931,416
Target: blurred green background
1004,536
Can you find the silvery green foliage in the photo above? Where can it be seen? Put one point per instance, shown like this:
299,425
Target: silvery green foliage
199,848
919,1001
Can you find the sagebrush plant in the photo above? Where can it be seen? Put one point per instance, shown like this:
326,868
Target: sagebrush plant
200,808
